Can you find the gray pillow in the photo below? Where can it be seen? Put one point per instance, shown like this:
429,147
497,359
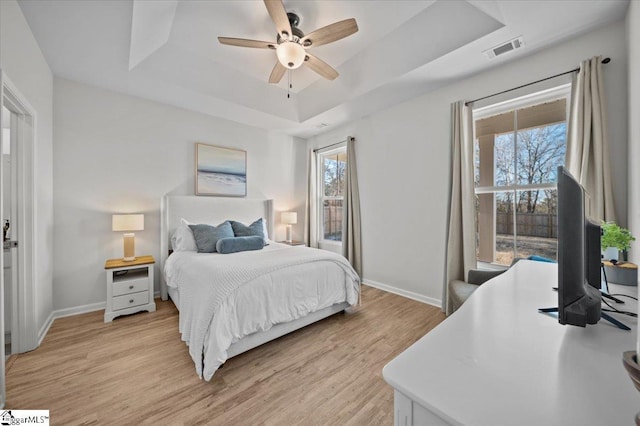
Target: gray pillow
242,230
207,236
236,244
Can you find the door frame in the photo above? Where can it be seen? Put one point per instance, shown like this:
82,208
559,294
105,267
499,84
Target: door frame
25,310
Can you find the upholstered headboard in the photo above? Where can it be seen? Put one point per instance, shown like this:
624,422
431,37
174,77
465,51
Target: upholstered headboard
206,210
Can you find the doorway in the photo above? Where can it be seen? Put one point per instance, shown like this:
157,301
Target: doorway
8,222
17,205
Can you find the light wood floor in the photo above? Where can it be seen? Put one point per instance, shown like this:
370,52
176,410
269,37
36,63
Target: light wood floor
136,370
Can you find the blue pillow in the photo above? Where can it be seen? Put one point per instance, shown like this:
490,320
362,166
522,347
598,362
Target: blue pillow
236,244
242,230
207,236
540,259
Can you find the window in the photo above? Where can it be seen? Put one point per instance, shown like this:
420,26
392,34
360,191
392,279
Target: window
518,148
332,174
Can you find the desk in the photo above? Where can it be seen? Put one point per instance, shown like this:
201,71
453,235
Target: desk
497,361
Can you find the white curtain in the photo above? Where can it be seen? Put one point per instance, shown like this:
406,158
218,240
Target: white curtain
311,224
461,235
352,241
588,140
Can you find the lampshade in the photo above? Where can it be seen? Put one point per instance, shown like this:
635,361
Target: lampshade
290,218
290,54
127,222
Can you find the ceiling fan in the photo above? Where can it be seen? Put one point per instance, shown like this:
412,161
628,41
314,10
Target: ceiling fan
291,44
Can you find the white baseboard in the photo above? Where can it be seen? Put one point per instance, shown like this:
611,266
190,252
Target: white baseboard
67,312
405,293
76,310
45,328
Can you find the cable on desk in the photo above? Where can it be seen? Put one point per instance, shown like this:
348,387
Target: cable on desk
624,295
617,311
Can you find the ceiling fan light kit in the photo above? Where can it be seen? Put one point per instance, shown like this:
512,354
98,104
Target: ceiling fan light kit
290,54
292,44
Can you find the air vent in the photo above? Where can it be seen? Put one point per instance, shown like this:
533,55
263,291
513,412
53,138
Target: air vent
503,48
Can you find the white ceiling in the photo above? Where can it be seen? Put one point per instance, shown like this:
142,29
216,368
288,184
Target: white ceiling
168,51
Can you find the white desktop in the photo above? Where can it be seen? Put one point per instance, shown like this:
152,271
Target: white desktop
498,361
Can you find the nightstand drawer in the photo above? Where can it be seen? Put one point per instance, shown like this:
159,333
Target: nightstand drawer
130,300
130,286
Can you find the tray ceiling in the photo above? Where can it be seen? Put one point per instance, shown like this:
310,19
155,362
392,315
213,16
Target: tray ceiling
167,51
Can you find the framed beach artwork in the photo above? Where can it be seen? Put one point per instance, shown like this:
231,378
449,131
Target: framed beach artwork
220,171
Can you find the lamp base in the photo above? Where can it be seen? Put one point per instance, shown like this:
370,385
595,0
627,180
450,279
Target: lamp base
289,239
129,247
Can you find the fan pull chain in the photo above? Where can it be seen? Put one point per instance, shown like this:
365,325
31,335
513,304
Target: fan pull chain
289,85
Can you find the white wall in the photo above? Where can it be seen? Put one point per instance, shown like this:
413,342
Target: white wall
403,159
633,49
116,153
25,66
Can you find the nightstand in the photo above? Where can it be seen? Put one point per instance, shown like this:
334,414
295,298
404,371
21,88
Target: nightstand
292,243
129,287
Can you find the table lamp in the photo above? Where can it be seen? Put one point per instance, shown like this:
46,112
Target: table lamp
289,218
126,223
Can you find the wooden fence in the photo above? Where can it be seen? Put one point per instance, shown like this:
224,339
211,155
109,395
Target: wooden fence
528,224
333,221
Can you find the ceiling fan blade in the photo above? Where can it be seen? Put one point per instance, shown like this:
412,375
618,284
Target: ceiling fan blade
277,73
243,42
330,33
279,17
320,67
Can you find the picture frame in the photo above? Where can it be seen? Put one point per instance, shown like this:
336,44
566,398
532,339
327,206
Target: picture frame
220,171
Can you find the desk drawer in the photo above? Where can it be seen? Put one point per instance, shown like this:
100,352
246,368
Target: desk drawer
130,300
130,286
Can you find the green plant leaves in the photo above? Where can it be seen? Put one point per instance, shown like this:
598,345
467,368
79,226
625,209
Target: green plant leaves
615,236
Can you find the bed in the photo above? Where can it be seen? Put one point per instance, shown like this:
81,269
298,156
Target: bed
231,303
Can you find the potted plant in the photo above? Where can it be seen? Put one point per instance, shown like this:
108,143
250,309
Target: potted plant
615,239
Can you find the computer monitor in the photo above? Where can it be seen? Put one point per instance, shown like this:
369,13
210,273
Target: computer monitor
579,298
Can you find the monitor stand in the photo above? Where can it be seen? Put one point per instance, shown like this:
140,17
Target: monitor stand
602,293
603,315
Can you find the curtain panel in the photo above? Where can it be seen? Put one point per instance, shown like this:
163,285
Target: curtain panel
311,208
461,232
352,239
587,155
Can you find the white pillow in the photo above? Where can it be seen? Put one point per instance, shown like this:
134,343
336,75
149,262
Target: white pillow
182,238
266,233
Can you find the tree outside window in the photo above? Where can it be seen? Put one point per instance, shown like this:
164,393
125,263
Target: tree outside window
333,175
517,154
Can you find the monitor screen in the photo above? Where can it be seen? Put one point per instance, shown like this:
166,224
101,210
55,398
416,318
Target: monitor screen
578,255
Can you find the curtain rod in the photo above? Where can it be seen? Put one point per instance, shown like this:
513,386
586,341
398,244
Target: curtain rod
329,146
604,61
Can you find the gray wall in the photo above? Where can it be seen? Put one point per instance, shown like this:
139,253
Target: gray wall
116,153
403,159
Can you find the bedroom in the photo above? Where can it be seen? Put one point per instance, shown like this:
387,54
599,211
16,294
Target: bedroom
83,176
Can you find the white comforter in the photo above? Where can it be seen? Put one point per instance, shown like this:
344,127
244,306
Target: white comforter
224,297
